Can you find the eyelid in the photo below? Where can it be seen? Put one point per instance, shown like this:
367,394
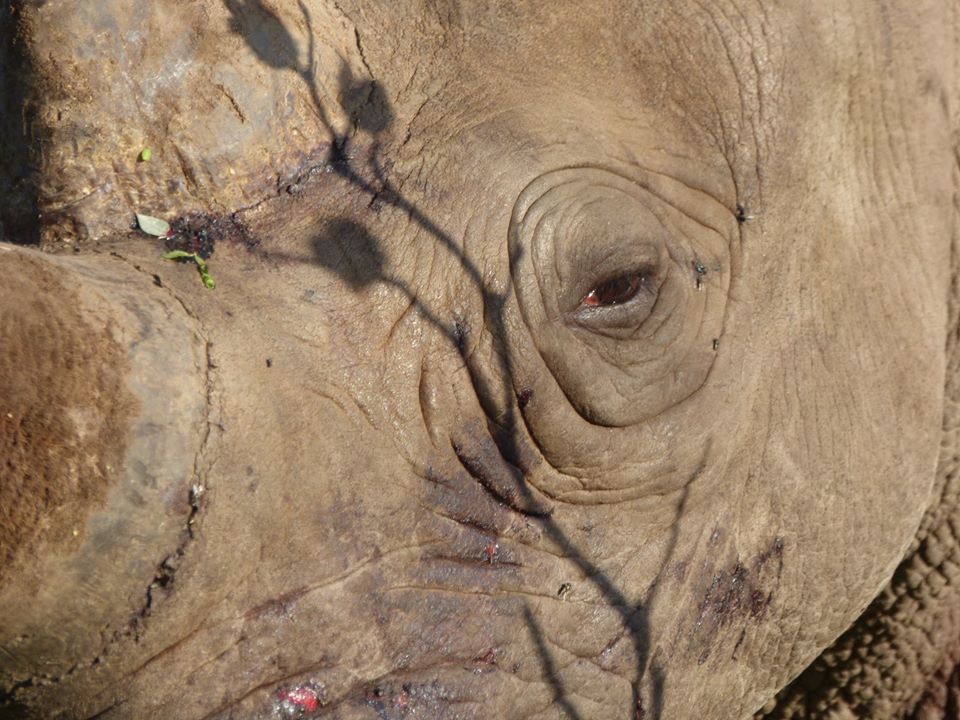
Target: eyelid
623,320
625,316
586,276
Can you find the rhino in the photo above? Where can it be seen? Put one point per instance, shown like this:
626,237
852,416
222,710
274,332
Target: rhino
482,360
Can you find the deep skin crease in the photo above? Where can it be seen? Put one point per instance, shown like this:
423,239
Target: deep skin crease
409,472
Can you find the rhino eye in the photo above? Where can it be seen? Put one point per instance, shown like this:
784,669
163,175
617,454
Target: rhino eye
604,284
616,291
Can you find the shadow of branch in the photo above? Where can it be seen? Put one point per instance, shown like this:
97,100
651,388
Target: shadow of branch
347,248
549,668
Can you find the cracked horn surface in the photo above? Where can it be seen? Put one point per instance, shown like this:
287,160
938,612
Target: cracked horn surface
228,123
62,610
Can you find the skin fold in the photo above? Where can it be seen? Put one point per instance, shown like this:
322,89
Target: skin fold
562,362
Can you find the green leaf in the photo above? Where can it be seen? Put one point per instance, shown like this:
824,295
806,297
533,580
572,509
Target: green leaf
205,275
179,255
146,154
153,226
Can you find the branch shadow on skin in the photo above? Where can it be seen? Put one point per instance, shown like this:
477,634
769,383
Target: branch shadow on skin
546,660
347,248
265,34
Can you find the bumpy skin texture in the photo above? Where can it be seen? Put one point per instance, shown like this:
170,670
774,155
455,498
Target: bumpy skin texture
408,459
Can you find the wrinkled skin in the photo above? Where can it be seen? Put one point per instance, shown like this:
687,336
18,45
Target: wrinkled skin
592,365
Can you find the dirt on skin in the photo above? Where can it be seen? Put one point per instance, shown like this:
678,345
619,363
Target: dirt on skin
18,201
64,413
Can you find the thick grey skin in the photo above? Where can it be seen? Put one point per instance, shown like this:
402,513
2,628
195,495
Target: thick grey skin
681,540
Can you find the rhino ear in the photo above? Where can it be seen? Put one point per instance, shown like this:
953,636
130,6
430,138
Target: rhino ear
102,395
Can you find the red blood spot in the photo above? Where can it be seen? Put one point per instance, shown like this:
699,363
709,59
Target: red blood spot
304,698
488,658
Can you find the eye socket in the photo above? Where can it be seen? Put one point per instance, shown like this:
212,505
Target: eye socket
601,269
616,291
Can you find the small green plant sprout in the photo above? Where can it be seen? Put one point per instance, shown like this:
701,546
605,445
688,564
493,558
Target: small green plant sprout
182,255
146,154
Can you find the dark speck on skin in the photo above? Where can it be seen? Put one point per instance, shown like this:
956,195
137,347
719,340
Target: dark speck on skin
460,329
269,363
700,269
523,399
